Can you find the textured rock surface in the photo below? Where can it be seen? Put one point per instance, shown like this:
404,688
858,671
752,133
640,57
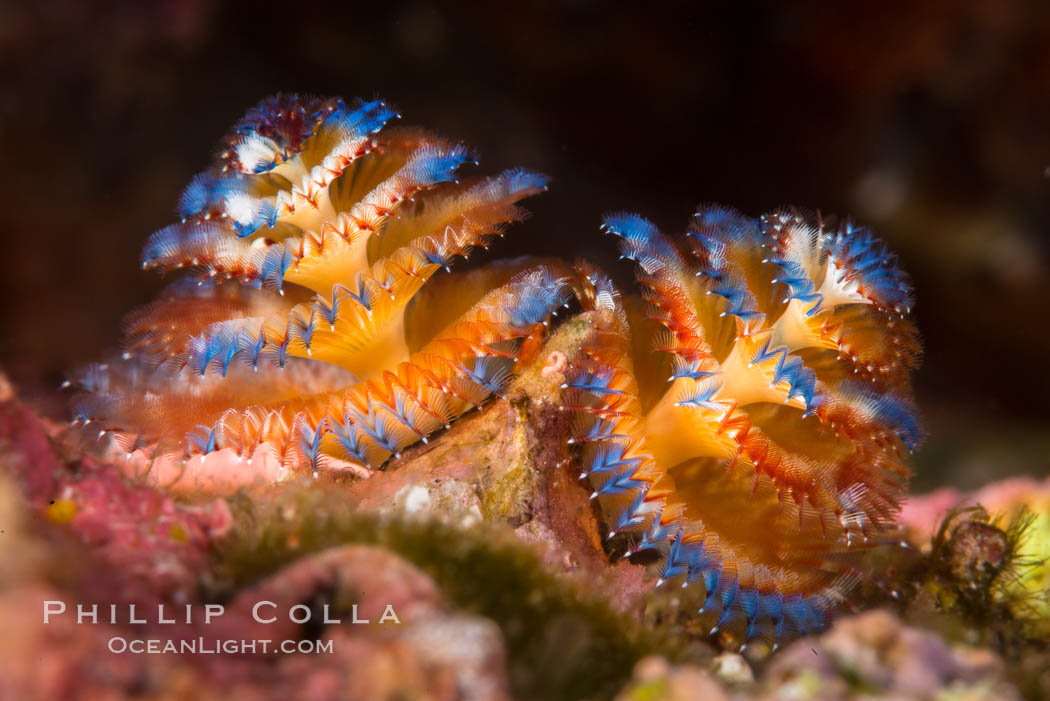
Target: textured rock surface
83,532
871,656
655,678
484,542
431,652
878,656
509,464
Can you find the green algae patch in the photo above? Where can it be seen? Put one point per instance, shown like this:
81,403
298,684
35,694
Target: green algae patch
504,488
562,642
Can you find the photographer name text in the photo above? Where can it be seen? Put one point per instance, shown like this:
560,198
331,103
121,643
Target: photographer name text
264,612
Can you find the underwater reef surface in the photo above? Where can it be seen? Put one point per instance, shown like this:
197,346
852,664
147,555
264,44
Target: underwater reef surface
492,502
484,543
874,655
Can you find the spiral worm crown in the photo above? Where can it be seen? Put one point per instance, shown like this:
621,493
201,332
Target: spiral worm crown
302,330
747,422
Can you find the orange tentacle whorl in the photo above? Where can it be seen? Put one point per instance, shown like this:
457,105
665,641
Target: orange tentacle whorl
773,453
310,238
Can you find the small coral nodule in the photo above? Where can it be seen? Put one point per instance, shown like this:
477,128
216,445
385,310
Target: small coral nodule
301,336
745,426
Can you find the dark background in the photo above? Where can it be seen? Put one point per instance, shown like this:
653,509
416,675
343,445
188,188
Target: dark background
928,119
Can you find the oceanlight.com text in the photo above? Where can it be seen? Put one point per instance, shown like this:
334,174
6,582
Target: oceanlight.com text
202,646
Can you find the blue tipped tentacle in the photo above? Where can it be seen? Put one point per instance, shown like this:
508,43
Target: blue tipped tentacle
405,412
540,295
329,311
593,381
619,484
279,352
490,372
678,559
898,413
596,430
747,602
683,367
206,349
309,440
801,380
255,349
701,394
626,514
727,596
657,535
376,427
231,348
364,295
278,259
431,165
641,242
611,458
359,119
712,577
350,436
205,438
863,255
303,330
799,284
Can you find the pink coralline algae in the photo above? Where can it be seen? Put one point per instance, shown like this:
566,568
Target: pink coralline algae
159,546
139,531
